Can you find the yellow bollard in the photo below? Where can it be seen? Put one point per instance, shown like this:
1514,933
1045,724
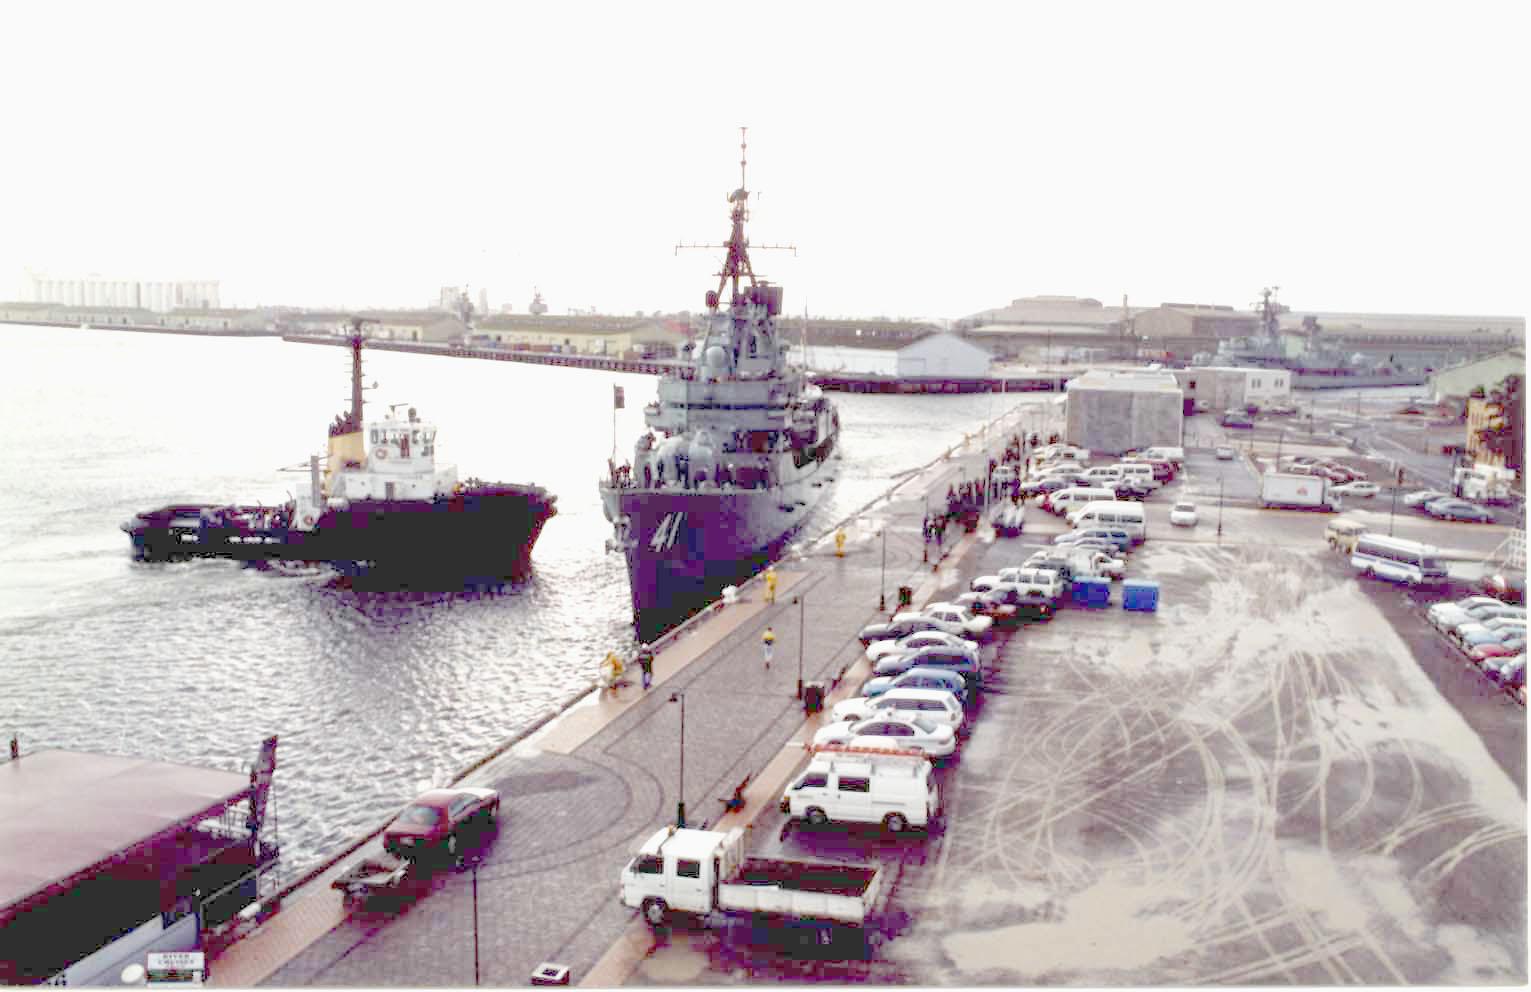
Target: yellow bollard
839,544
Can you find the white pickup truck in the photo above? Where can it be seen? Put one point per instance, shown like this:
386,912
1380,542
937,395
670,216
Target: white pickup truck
1042,581
706,872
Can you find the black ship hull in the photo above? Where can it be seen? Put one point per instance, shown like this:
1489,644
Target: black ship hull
484,533
685,546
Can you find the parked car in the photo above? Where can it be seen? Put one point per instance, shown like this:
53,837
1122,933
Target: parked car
904,624
1183,514
1418,498
443,822
993,604
1458,509
1131,489
1003,475
972,627
1497,652
1106,564
1041,487
1510,673
920,639
951,659
936,705
1471,635
1509,587
1360,487
1120,538
918,733
919,678
1442,616
1224,453
1281,410
1233,418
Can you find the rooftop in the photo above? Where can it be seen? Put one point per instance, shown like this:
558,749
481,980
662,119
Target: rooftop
64,813
1133,380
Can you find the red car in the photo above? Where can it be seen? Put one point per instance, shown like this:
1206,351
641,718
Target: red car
443,821
1496,650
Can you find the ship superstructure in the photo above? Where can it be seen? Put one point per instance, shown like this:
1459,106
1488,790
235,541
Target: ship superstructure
735,456
377,501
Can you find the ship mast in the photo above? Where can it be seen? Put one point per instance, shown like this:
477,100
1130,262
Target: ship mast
736,263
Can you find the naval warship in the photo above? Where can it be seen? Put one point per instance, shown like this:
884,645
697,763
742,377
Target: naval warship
737,451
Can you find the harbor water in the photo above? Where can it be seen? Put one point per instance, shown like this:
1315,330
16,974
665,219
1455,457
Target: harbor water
374,694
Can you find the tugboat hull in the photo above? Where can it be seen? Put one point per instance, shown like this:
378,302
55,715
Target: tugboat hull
484,532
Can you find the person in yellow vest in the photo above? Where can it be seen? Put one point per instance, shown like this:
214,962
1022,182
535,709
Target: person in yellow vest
770,580
768,639
839,544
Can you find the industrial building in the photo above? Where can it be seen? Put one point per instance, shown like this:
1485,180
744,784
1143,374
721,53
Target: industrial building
584,335
1459,381
934,355
1232,388
98,291
1117,411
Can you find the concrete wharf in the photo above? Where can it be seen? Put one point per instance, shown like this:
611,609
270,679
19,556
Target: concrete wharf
582,791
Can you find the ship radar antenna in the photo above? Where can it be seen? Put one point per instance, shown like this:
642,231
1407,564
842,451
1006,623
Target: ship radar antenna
736,264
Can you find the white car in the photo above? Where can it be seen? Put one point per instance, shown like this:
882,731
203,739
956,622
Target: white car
1358,488
917,733
1104,564
1183,514
952,613
1420,497
878,650
1224,454
936,705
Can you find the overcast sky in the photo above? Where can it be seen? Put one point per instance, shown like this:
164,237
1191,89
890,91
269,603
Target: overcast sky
926,160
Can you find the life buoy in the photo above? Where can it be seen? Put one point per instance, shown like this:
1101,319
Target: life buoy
308,520
380,453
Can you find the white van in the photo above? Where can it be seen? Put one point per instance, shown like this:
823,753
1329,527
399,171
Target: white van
896,790
1120,514
1074,497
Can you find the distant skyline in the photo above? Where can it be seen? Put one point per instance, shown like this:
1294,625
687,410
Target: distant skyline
1365,157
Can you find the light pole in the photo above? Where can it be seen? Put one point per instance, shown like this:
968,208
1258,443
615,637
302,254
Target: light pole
882,581
475,924
1219,508
1397,485
679,696
802,608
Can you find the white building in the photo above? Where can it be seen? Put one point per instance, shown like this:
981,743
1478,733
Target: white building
1225,387
944,355
939,355
97,291
1117,411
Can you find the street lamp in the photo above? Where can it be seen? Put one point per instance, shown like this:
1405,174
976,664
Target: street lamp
679,696
1219,508
882,581
802,608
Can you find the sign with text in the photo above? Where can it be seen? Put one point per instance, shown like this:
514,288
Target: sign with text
176,969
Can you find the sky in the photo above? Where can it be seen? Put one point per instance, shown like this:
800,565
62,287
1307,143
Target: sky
925,160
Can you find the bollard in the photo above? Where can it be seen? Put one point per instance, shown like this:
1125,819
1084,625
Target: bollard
839,544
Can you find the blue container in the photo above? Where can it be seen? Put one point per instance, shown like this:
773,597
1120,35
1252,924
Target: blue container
1089,591
1140,594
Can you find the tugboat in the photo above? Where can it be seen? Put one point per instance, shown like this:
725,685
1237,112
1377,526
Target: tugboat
380,505
736,455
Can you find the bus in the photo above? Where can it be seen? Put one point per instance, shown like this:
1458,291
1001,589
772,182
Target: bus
1397,560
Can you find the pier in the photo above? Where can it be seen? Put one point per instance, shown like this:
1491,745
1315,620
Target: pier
581,785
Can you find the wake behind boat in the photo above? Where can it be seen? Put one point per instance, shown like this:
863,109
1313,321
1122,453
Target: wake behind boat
380,504
736,455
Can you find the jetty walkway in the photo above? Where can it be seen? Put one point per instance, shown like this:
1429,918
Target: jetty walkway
585,789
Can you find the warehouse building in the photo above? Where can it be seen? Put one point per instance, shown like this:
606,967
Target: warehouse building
1117,411
1233,387
937,355
1460,380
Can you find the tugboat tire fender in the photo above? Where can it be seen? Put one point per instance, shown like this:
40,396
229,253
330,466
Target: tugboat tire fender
380,453
308,520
